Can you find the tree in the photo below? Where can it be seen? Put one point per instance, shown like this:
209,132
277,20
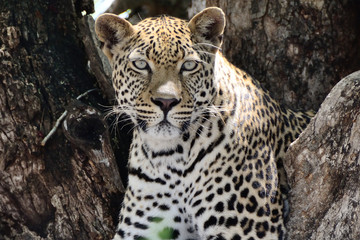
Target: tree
60,190
48,57
323,169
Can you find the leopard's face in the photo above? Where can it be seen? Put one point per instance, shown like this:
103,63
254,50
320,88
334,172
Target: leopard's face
162,74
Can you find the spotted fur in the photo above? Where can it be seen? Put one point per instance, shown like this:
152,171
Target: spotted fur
207,139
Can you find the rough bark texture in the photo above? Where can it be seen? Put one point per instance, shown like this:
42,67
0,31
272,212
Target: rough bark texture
61,190
323,168
98,63
298,49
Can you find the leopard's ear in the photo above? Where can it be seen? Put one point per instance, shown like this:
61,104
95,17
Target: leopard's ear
111,30
208,26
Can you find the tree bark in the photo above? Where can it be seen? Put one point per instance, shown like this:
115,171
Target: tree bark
323,168
297,49
61,190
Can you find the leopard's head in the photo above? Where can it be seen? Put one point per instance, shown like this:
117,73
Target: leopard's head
163,69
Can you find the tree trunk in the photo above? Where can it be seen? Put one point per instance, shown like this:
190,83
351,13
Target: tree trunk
298,49
323,169
70,188
61,190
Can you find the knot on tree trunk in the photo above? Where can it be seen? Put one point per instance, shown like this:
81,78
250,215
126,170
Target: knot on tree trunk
85,128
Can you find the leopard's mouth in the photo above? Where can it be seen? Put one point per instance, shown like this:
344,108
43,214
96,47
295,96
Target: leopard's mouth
164,129
166,124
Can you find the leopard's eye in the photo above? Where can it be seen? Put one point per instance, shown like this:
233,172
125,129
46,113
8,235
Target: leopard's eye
140,64
189,66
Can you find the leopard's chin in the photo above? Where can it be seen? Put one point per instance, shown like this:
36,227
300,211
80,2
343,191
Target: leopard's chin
164,131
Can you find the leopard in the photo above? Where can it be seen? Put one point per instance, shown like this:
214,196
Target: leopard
208,142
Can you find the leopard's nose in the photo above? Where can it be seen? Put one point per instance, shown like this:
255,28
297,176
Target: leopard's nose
165,104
